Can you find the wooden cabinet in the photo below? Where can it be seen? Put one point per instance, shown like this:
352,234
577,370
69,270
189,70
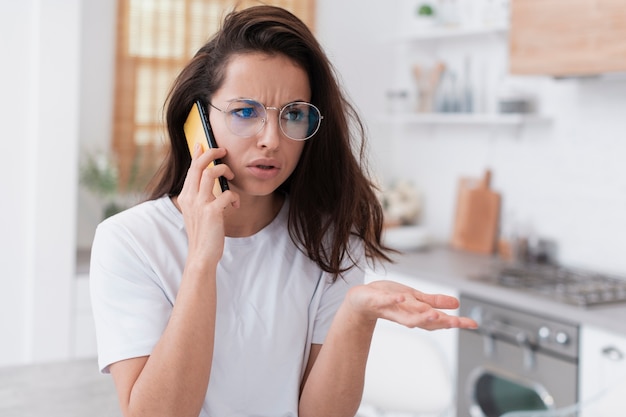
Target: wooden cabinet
602,372
567,37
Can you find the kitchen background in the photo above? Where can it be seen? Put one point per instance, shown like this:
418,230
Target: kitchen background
560,172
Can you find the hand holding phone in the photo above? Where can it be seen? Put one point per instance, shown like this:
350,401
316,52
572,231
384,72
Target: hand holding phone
198,130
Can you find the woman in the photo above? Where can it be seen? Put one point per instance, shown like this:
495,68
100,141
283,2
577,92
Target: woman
251,302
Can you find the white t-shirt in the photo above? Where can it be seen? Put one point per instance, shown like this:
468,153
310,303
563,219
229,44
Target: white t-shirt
273,303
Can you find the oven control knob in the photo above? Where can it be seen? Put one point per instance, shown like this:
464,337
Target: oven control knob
561,338
544,332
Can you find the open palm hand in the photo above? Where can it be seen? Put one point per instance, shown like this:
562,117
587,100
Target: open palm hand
406,306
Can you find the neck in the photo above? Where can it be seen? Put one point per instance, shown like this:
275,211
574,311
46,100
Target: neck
253,215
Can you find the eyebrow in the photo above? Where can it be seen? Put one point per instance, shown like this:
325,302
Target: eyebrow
263,104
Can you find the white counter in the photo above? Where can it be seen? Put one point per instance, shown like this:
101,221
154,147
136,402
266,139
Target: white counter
454,268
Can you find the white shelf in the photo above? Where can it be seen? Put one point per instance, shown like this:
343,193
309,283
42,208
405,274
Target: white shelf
444,32
465,119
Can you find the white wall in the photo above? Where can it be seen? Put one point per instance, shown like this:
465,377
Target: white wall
353,34
39,119
97,62
565,181
15,141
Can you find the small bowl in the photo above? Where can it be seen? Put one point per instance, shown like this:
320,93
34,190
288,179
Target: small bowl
406,237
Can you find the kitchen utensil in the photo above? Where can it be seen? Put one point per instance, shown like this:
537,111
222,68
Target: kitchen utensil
477,216
427,80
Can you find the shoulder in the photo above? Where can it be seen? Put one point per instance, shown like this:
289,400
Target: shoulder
144,216
138,227
151,211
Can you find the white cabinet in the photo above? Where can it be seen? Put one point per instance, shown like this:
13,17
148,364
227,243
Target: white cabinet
602,373
442,343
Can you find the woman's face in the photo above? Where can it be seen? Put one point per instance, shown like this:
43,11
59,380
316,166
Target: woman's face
262,162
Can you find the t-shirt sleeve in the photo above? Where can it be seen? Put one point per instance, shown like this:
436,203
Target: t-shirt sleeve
130,308
335,292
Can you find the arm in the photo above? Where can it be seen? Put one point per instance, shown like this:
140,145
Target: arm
173,380
335,375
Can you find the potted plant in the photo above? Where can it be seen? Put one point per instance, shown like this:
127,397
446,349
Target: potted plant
425,15
99,174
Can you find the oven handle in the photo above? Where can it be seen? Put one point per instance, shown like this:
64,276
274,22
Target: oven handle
492,329
497,328
612,353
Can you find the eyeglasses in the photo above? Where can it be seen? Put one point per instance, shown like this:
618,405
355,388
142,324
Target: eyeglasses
298,120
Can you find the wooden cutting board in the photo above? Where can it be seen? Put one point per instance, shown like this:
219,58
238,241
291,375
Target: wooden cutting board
477,216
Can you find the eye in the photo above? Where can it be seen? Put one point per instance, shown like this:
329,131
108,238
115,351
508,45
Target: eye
294,113
244,110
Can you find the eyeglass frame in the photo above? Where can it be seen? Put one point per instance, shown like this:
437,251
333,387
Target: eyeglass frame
264,119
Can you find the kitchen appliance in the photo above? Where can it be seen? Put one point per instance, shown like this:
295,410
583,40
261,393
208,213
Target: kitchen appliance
514,361
569,285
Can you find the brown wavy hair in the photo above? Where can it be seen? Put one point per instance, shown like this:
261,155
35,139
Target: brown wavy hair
331,195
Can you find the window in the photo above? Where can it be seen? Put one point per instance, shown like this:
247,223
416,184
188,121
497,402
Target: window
156,38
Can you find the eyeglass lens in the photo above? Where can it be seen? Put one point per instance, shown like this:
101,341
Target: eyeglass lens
298,120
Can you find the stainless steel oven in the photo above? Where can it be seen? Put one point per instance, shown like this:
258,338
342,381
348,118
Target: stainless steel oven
515,361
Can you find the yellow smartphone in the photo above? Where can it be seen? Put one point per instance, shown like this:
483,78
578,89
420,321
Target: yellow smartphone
198,130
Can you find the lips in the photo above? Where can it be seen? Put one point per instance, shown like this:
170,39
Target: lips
264,168
265,163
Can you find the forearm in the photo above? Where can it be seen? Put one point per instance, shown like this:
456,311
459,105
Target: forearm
335,384
175,377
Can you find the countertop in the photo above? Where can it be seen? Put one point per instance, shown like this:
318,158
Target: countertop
454,268
60,389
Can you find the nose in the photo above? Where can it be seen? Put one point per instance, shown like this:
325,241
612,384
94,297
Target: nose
270,134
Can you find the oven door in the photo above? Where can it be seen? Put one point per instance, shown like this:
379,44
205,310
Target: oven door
496,377
494,393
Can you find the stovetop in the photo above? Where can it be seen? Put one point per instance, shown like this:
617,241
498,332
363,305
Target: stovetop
569,285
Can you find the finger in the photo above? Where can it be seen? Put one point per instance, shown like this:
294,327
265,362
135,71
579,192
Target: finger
210,180
443,301
200,161
193,173
460,322
467,323
445,321
228,198
197,150
407,311
204,158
